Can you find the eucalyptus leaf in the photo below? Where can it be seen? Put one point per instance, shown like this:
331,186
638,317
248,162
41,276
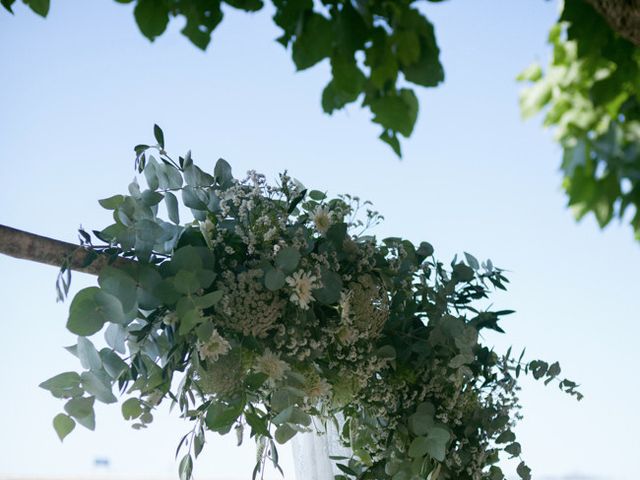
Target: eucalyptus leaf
91,308
63,425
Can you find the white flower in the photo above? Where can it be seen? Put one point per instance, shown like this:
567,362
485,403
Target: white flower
321,219
319,388
170,319
206,228
302,284
214,347
271,365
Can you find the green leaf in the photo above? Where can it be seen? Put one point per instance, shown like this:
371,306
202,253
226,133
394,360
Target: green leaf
391,139
186,467
246,5
90,309
152,17
506,437
198,443
88,355
115,335
397,112
287,259
292,414
98,385
189,320
41,7
274,279
111,203
194,198
131,409
418,448
284,433
314,41
151,175
157,131
187,282
168,176
472,261
420,62
150,198
351,30
186,258
514,449
437,443
523,471
425,249
201,21
407,46
222,173
63,385
208,300
495,473
329,294
171,202
221,417
195,177
81,409
121,285
347,77
112,363
420,424
532,73
7,5
63,425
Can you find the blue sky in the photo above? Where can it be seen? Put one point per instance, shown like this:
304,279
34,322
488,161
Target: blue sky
80,88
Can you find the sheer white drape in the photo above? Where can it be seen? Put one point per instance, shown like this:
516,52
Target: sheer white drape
311,453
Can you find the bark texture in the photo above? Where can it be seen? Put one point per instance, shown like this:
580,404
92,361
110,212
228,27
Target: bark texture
29,246
623,16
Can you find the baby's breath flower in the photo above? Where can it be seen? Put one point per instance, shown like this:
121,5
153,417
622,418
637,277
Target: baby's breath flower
213,348
271,365
302,284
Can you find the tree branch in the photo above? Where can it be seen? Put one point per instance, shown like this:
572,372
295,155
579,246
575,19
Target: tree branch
623,16
29,246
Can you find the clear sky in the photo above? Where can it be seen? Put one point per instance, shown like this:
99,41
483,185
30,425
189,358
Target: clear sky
81,88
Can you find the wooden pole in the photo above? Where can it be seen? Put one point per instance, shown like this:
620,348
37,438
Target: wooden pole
29,246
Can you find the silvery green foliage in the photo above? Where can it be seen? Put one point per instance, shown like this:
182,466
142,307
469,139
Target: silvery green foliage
273,313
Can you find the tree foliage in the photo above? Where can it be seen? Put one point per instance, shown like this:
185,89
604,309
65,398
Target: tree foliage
590,93
379,49
376,48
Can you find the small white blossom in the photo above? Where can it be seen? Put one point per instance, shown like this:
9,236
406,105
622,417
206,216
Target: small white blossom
170,319
321,219
302,284
213,348
272,366
206,228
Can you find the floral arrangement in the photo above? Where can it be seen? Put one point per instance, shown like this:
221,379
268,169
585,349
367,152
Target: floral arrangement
273,313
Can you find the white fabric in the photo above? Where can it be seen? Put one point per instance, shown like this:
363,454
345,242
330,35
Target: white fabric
311,453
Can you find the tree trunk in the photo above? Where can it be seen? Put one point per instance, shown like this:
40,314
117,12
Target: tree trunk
623,16
29,246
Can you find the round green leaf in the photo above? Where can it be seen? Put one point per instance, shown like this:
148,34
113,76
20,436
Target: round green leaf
287,259
274,279
90,309
63,425
131,409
